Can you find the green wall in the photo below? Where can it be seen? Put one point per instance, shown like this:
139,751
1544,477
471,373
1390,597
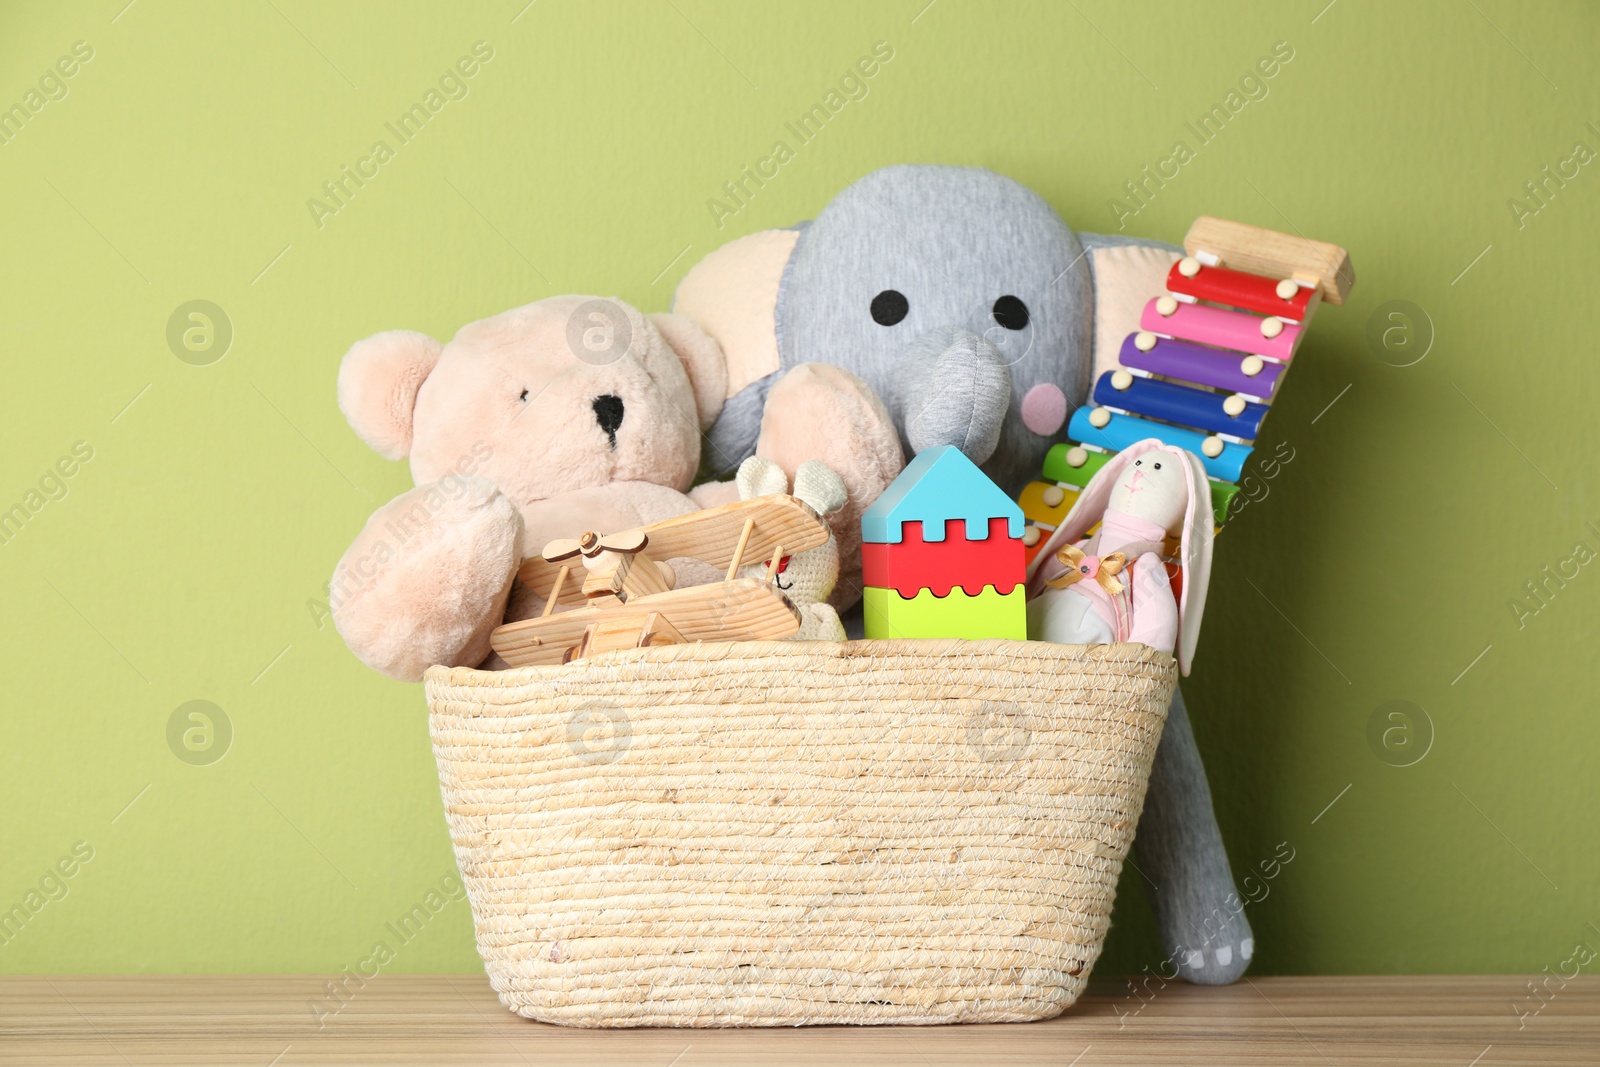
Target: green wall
186,559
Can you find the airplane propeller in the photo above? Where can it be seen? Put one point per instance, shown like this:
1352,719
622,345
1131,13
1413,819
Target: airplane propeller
591,544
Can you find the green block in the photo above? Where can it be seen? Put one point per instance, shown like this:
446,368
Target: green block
1057,469
989,614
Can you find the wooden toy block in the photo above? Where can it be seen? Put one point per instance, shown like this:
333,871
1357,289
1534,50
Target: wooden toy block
942,554
1181,404
938,485
1241,246
951,562
1221,459
1072,465
1191,280
887,614
1251,377
1046,504
1269,338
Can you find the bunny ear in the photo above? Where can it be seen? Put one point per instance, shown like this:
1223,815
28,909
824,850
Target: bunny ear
1088,509
1195,548
758,476
820,486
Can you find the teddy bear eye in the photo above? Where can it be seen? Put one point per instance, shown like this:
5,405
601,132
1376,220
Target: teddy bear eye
1158,466
1011,312
524,396
1138,463
889,307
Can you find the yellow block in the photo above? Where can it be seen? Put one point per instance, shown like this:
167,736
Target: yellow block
989,614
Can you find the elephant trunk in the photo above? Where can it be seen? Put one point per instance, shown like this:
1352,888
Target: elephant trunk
952,388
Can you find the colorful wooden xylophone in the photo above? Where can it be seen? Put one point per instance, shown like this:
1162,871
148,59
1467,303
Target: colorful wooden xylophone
1201,370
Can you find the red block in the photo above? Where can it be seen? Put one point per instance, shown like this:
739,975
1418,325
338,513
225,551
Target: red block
914,564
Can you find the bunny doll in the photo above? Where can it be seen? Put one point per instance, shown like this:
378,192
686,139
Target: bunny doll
806,578
1113,586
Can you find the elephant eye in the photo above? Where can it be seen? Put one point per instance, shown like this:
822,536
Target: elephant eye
1011,313
524,395
889,307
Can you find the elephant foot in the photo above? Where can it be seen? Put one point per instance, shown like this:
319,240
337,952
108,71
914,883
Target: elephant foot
1217,958
1198,911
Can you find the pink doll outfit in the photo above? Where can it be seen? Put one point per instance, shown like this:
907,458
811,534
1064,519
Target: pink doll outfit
1144,581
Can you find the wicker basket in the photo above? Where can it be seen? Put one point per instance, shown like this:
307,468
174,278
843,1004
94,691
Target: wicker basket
772,833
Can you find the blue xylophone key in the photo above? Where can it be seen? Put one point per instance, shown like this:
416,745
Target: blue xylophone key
1180,404
1120,431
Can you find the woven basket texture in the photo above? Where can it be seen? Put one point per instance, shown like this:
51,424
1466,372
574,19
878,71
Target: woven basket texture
782,833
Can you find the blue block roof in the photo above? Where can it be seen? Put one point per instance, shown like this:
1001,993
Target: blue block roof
938,485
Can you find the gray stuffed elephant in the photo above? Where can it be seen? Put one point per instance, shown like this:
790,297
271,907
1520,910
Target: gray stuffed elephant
933,305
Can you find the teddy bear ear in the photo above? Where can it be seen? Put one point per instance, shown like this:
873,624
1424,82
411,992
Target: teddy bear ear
702,360
378,382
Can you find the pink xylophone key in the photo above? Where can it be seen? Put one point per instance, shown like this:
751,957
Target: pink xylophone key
1233,330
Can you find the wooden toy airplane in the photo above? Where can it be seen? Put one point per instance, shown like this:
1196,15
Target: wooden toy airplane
627,598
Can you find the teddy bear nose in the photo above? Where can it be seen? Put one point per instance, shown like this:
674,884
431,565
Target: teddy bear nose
608,413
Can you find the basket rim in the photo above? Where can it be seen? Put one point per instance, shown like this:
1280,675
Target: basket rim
1042,652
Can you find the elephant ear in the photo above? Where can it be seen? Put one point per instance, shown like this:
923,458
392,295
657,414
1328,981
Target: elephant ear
1127,273
378,382
732,294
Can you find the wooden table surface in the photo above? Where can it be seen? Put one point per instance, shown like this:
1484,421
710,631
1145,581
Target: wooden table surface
266,1021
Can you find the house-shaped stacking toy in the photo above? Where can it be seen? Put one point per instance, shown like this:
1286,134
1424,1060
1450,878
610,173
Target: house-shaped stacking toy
1202,365
942,554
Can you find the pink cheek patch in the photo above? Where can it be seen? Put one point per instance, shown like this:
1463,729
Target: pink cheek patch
1044,409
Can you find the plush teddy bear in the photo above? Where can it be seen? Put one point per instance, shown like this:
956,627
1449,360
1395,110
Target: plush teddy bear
573,413
806,578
